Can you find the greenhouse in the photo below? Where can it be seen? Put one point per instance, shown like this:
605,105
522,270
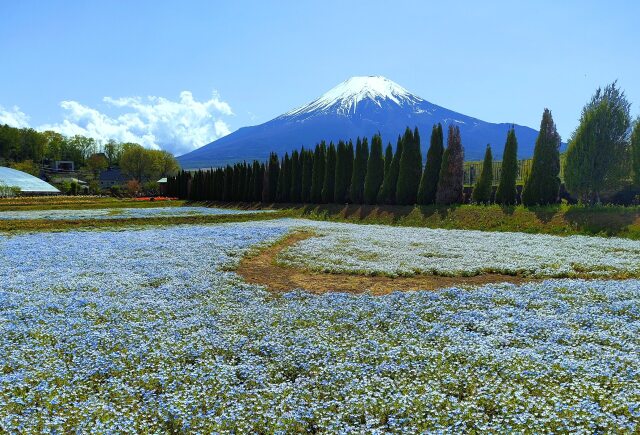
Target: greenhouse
26,183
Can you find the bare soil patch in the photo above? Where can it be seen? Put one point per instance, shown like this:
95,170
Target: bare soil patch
262,269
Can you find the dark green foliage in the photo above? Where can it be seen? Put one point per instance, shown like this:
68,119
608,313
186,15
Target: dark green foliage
342,176
296,177
452,170
410,169
328,186
387,193
356,192
543,184
484,186
598,157
374,170
227,193
506,194
258,177
635,152
272,175
284,180
349,170
388,158
307,174
431,174
318,172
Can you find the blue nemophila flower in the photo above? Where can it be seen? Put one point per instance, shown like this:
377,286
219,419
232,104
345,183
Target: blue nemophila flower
149,331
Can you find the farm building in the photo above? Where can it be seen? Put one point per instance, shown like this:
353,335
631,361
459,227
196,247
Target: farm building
27,183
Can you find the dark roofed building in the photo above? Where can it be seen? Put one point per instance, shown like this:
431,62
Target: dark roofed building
112,177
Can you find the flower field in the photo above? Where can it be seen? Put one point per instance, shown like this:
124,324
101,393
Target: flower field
150,331
119,213
378,249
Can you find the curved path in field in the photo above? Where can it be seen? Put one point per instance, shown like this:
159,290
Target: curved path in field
262,269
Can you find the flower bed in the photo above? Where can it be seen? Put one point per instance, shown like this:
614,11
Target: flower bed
378,249
148,331
120,213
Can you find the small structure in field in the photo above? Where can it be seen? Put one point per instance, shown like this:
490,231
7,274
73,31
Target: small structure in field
26,183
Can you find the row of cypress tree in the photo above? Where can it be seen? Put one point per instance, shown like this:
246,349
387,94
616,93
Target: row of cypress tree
363,175
339,173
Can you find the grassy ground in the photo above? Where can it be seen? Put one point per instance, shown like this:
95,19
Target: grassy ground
77,203
560,220
17,226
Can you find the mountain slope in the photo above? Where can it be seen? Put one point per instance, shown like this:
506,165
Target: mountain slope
360,106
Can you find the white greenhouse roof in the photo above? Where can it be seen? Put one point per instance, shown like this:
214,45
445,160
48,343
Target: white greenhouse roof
25,182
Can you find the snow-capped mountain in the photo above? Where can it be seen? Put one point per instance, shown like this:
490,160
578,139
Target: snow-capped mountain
359,106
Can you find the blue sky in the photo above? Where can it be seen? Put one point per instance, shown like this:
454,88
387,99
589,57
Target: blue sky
78,66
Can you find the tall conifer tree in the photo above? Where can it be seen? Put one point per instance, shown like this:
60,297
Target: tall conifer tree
483,188
307,174
296,176
272,176
410,169
388,189
543,183
341,175
450,184
431,174
635,152
328,187
317,172
374,171
506,194
360,171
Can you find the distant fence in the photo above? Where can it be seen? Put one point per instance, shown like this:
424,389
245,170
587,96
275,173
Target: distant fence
473,169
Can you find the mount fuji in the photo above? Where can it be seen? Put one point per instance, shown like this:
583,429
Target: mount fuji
359,106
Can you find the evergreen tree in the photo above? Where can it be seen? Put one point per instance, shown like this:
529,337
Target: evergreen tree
258,171
359,171
374,171
635,151
307,174
340,186
431,174
506,194
248,183
388,190
543,183
227,194
284,181
597,158
484,186
296,176
349,170
328,188
318,172
410,169
288,180
272,175
388,158
451,179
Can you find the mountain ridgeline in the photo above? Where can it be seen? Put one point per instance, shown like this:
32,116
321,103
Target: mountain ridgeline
358,107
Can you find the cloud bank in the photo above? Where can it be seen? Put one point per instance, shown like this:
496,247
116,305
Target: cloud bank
154,122
13,117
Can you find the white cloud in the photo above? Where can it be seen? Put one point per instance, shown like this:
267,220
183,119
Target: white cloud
154,122
14,117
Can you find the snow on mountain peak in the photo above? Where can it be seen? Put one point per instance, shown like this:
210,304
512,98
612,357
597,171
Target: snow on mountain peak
344,98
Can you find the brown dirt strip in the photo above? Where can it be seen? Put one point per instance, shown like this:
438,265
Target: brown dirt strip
262,269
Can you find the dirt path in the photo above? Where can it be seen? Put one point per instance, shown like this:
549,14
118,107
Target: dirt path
262,269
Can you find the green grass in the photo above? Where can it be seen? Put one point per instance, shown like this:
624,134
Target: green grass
559,220
563,219
78,202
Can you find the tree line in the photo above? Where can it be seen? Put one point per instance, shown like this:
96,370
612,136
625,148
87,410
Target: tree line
25,149
603,153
